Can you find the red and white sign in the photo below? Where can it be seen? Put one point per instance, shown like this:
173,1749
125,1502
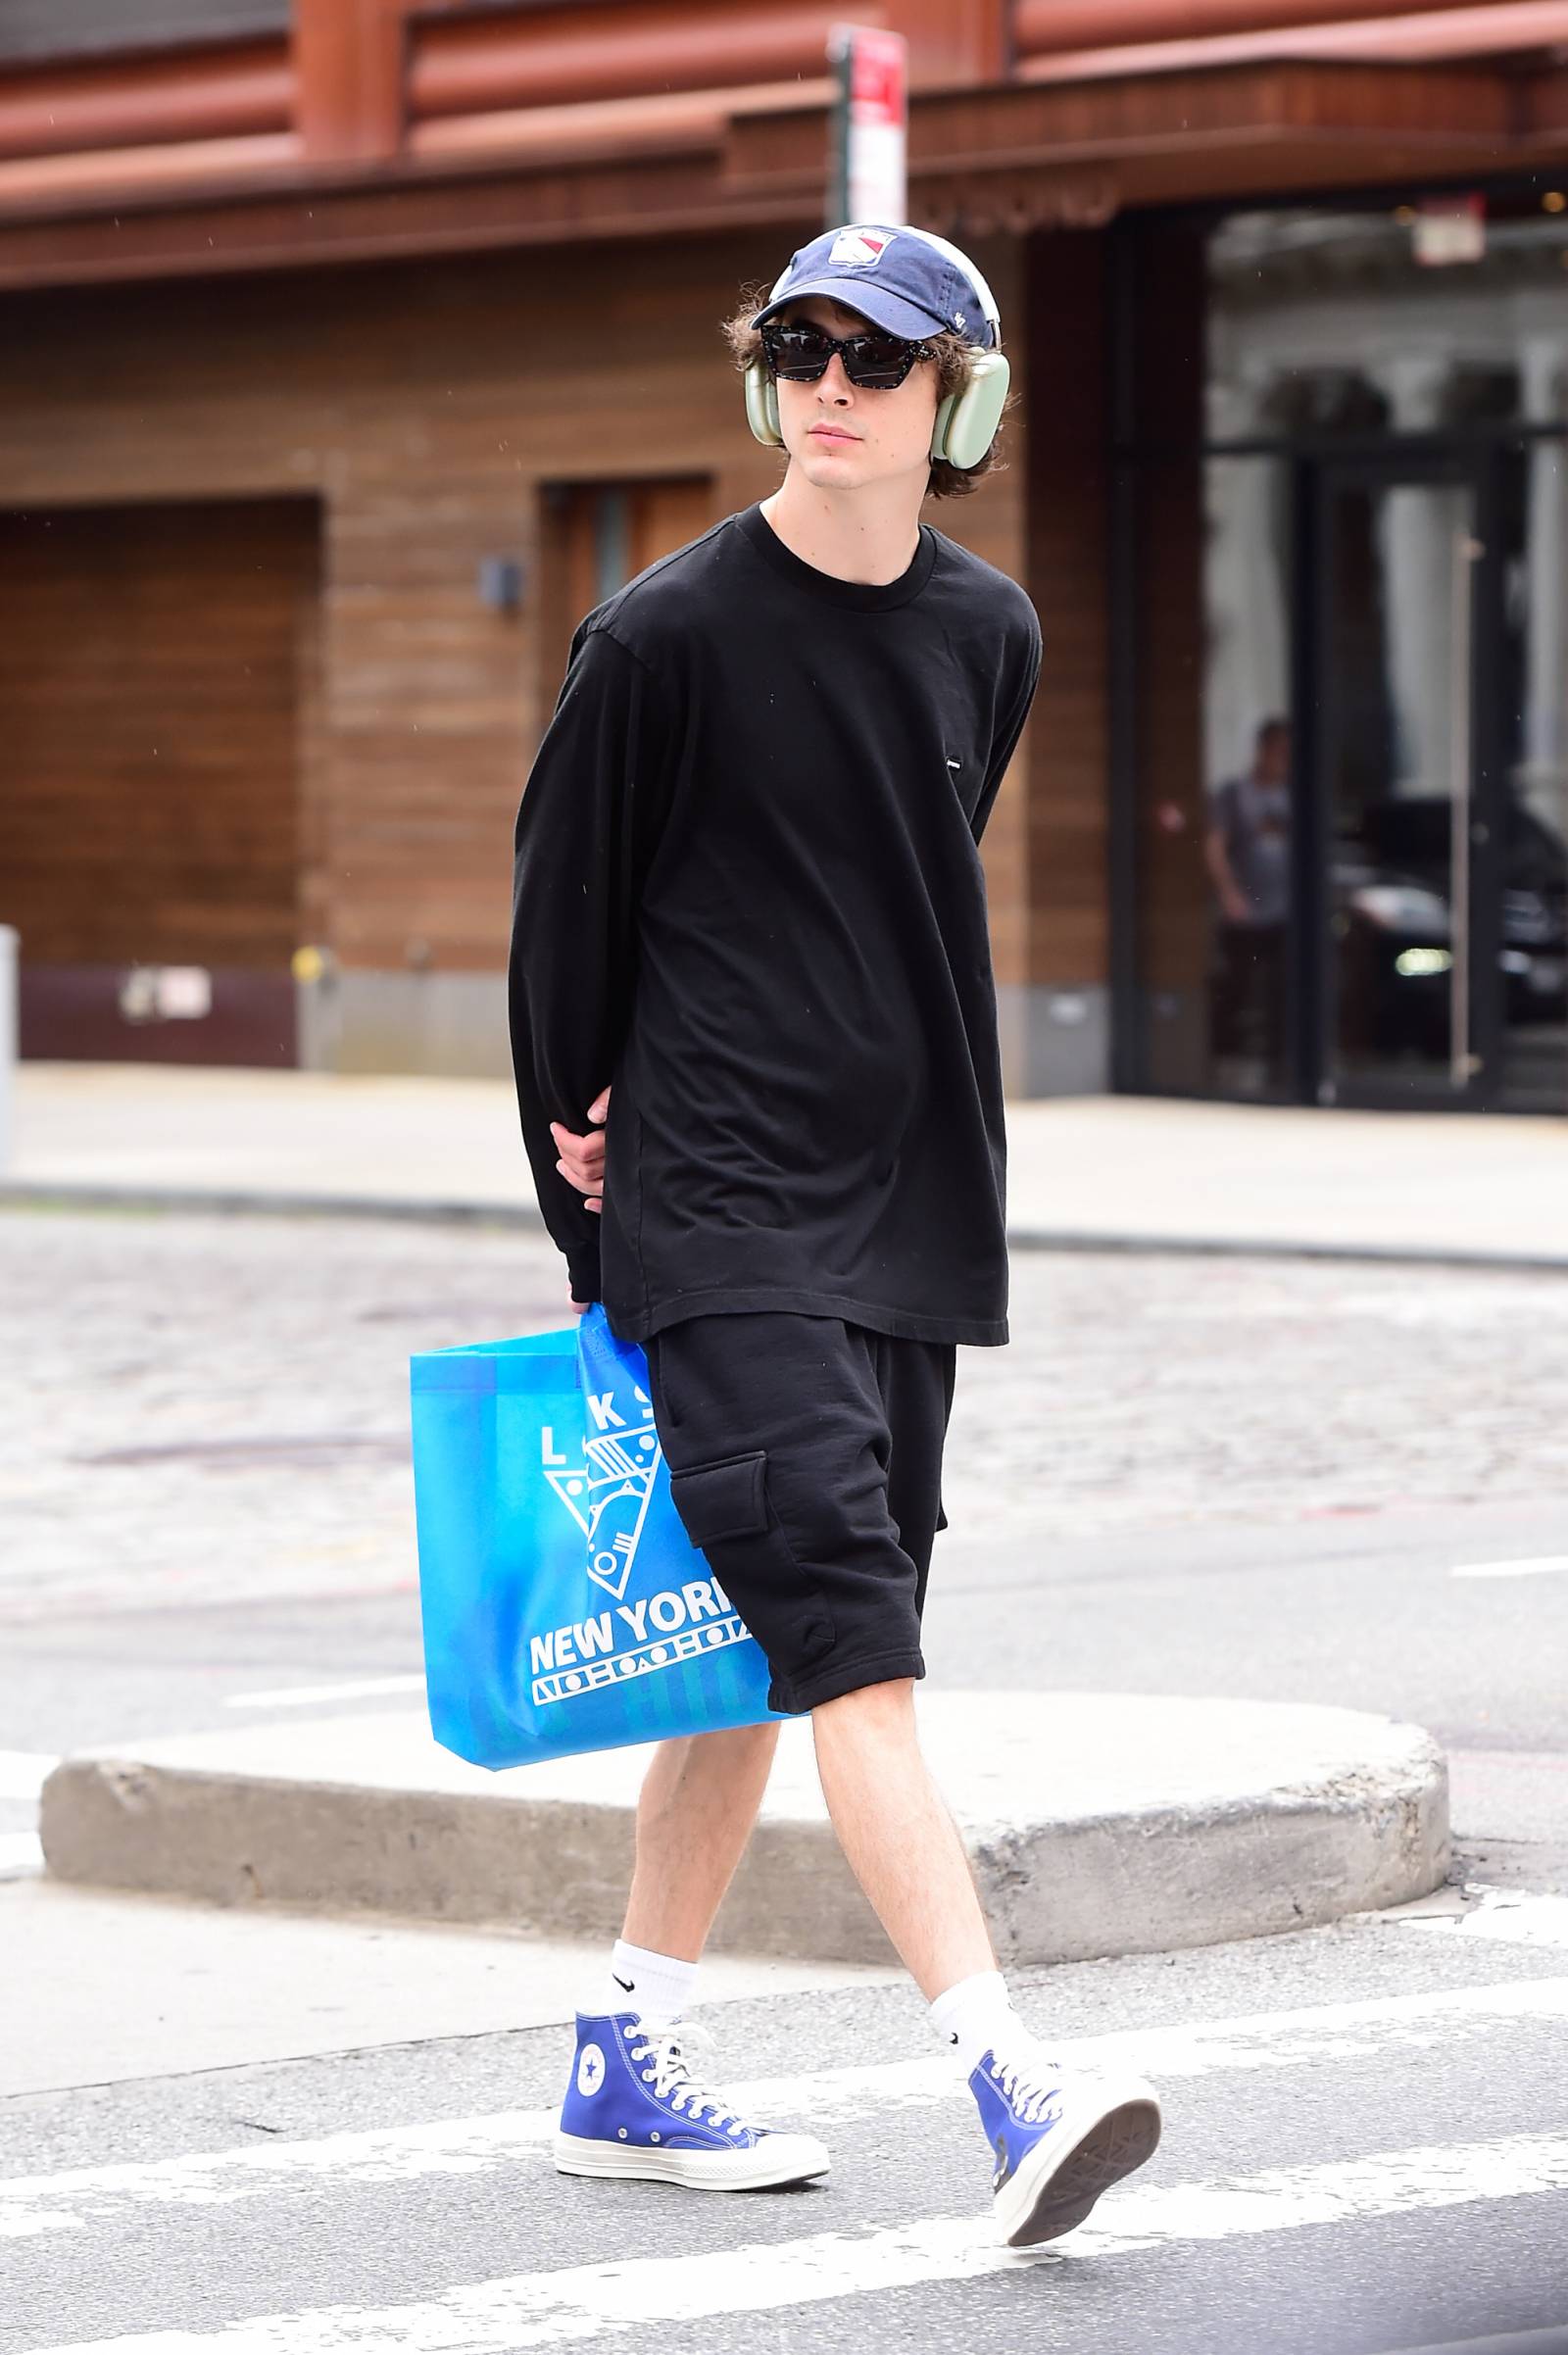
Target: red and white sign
1447,230
874,70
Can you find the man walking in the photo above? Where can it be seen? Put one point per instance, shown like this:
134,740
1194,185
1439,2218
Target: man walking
750,938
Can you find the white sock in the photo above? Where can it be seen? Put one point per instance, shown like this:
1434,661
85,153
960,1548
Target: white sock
976,2016
657,1987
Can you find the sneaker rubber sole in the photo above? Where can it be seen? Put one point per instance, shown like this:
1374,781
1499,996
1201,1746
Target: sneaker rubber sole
1053,2188
768,2166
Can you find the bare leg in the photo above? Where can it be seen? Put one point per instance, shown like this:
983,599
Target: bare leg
699,1801
901,1843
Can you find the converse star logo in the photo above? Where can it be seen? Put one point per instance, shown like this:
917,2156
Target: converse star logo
590,2070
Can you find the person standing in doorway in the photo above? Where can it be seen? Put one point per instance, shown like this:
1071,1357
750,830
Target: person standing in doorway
1249,857
754,1034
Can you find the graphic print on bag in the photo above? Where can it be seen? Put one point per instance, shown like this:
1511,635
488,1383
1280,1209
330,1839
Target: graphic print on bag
608,1493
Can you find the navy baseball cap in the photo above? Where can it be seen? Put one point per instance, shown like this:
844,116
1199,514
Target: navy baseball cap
905,282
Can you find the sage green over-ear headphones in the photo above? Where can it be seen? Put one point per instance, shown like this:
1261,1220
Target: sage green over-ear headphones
965,422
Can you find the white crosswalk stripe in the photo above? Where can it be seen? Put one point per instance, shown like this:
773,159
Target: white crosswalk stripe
1511,1916
20,1855
24,1772
582,2302
1309,2037
310,1697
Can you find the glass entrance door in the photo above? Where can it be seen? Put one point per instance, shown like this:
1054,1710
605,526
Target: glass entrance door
1401,833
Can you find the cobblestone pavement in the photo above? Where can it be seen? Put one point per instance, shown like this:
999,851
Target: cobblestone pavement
204,1409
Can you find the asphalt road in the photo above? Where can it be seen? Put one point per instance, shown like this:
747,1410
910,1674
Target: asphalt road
1246,1477
1382,2167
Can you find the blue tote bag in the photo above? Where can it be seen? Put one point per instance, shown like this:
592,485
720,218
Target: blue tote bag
564,1607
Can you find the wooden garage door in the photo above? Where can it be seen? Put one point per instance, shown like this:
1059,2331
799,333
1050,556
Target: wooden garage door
151,669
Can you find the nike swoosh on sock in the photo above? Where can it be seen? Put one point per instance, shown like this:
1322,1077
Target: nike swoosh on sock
630,1983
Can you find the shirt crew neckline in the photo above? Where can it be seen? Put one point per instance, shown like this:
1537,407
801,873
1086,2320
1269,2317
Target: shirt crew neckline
857,595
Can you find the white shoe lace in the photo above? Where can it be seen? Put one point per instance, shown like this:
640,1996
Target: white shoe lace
1029,2087
663,2053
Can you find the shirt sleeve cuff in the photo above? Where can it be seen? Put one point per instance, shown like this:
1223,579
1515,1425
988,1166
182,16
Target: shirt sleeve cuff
582,1269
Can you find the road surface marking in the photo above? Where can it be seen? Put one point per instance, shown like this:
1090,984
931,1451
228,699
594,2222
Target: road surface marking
1513,1919
24,1772
1532,1566
20,1855
300,1696
1308,2038
583,2301
1551,2341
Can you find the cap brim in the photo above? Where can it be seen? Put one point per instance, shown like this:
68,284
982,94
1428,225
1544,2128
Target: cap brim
878,304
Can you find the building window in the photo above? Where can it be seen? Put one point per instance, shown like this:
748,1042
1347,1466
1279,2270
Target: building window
596,537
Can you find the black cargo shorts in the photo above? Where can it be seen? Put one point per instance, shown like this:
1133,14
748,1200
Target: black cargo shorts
806,1462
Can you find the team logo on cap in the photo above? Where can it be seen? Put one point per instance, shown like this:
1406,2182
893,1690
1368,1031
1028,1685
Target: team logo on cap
860,249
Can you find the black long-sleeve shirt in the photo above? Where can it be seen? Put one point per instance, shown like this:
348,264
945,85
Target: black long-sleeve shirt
749,895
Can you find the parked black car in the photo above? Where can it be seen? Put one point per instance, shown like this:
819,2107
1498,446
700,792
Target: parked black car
1392,919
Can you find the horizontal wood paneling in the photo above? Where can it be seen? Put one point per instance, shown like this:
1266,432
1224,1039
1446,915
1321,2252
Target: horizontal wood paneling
428,406
552,56
138,103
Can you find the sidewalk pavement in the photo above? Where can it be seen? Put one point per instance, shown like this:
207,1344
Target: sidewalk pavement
1095,1824
114,1987
1106,1172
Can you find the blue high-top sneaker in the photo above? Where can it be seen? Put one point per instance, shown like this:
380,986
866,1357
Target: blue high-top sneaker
633,2107
1059,2140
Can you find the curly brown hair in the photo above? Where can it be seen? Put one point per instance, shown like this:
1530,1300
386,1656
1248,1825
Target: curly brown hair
952,357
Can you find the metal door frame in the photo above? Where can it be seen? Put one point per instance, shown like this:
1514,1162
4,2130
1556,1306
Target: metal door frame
1476,927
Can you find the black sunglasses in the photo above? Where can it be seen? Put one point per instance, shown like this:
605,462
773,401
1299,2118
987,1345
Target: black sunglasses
873,362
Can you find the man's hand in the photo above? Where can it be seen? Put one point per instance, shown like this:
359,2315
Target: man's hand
582,1162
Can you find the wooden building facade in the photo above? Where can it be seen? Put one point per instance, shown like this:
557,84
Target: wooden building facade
350,350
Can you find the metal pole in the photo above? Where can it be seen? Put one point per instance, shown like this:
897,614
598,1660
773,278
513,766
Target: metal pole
868,169
841,58
1462,1064
8,1038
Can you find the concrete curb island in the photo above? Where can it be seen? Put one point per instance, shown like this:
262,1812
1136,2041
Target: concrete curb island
231,1202
1097,1825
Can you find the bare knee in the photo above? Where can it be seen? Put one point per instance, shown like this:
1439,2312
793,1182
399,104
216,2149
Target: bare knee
876,1709
722,1756
735,1744
728,1741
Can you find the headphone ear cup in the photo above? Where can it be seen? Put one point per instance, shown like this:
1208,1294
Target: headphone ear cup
762,406
967,422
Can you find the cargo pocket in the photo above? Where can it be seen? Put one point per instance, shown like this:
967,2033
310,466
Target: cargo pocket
725,1511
